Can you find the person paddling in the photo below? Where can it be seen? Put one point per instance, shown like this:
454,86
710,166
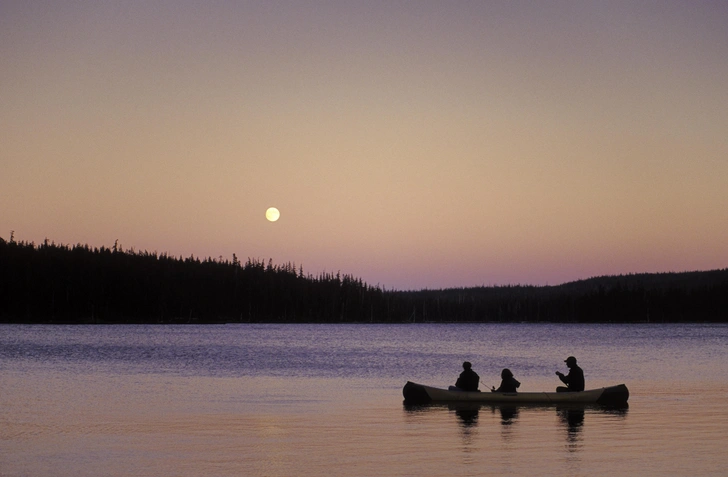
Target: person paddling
574,380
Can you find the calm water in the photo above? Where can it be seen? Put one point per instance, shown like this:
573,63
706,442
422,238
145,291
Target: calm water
307,400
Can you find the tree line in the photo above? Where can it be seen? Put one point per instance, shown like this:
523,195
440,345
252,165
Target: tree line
51,283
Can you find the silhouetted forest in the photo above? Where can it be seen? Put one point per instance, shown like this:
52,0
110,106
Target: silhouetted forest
51,283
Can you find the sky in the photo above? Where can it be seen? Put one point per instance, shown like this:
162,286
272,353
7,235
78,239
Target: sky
412,144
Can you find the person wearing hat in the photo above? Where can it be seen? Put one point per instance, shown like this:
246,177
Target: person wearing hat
468,379
574,380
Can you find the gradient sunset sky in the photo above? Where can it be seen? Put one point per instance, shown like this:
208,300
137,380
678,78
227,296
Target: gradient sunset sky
420,144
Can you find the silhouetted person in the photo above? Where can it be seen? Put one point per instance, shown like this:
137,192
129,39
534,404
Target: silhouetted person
574,380
509,384
468,379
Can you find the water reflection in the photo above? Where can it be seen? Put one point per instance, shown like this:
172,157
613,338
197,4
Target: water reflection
508,417
468,417
509,414
571,418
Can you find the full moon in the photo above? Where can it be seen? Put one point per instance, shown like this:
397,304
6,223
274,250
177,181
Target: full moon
272,214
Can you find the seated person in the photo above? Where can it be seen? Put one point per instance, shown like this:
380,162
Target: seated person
468,379
509,384
574,380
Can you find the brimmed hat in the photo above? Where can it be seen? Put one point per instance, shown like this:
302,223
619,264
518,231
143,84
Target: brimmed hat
570,359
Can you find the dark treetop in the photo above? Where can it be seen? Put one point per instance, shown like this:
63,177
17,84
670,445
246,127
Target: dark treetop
51,283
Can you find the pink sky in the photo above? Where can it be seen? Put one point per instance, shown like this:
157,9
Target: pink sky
411,144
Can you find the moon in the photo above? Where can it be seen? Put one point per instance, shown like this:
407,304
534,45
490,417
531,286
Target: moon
272,214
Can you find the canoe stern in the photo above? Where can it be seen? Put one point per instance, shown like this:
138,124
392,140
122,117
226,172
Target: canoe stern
614,396
415,393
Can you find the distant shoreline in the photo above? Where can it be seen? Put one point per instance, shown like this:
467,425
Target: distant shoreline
60,284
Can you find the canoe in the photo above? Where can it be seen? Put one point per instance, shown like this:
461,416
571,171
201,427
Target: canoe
610,396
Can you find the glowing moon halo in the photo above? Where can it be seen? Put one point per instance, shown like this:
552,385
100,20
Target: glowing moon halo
272,214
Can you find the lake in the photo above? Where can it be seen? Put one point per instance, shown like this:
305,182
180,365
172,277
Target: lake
307,400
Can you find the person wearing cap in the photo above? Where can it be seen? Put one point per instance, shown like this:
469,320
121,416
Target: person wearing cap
468,379
574,380
509,384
